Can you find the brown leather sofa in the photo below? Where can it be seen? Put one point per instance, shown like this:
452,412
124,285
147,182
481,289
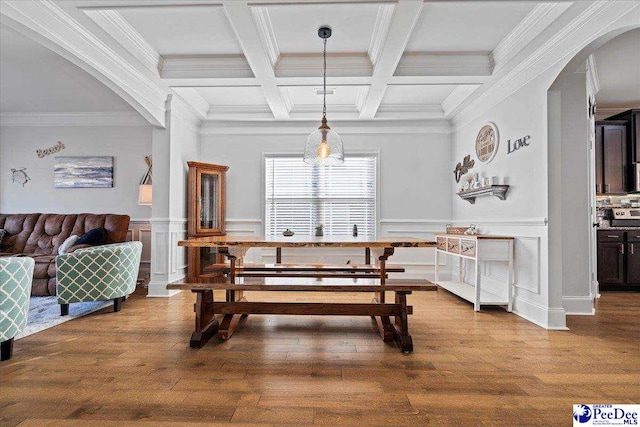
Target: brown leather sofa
40,235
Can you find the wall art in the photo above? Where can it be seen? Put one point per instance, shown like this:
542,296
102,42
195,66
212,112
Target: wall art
51,150
518,144
19,176
463,167
83,172
487,142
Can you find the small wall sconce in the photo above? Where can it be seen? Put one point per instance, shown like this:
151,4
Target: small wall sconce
145,191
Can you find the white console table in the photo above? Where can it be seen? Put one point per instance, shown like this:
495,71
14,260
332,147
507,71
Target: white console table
478,248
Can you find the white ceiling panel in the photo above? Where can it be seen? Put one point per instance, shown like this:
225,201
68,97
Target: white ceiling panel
236,96
184,30
306,95
296,27
416,94
466,26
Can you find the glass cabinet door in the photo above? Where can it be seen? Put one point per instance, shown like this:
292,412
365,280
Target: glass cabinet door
209,201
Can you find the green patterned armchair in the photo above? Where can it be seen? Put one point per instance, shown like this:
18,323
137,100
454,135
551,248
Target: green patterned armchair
99,273
16,275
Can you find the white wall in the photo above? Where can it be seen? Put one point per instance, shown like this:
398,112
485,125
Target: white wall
523,214
569,208
414,197
128,145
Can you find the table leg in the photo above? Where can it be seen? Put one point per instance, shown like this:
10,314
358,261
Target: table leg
384,323
231,321
206,324
401,328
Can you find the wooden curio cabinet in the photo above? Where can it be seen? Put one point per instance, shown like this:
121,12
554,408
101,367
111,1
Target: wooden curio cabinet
207,198
206,215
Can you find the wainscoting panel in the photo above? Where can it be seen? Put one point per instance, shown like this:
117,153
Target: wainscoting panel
140,231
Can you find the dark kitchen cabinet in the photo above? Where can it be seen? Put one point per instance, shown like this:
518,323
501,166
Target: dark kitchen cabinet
611,263
611,157
633,263
618,260
632,119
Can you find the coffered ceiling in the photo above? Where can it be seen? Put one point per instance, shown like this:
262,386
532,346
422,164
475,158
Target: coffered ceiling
262,60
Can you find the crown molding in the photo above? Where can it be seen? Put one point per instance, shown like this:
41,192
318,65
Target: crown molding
205,66
124,118
445,63
592,74
361,97
369,127
380,31
48,24
409,112
286,97
184,112
119,28
267,34
338,64
192,98
240,112
528,29
559,48
456,97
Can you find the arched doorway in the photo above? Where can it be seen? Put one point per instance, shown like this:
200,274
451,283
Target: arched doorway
572,261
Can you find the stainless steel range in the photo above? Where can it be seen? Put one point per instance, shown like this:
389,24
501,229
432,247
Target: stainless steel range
625,217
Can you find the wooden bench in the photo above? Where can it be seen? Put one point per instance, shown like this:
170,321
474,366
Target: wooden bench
236,305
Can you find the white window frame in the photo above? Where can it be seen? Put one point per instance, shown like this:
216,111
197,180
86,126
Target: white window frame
350,153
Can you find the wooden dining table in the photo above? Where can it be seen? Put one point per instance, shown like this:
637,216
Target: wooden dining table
303,278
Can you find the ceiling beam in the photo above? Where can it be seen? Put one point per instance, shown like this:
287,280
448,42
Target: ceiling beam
404,20
120,29
241,20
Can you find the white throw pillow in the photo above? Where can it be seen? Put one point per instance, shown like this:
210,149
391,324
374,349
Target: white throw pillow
70,241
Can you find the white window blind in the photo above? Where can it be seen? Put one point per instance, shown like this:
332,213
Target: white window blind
300,197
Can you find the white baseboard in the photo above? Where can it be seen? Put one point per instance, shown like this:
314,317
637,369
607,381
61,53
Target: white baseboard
548,318
159,290
578,306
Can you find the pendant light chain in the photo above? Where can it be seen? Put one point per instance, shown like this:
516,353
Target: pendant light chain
324,81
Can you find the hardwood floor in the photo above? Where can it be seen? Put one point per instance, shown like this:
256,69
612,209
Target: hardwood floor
489,368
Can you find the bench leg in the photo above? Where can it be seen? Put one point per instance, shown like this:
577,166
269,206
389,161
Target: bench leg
64,309
6,349
231,321
385,328
206,323
401,328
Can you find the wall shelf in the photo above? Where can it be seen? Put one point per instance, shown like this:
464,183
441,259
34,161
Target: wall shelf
500,191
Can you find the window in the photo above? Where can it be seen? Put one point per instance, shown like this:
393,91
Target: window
300,197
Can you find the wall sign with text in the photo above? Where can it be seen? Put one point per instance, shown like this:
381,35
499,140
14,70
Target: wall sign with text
518,144
487,142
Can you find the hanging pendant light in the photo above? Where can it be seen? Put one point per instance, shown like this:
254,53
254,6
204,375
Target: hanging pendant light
324,146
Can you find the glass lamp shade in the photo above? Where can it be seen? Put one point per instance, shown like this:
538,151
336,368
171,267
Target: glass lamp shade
145,194
324,147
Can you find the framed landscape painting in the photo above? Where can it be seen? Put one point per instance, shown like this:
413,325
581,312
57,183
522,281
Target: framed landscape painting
83,172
